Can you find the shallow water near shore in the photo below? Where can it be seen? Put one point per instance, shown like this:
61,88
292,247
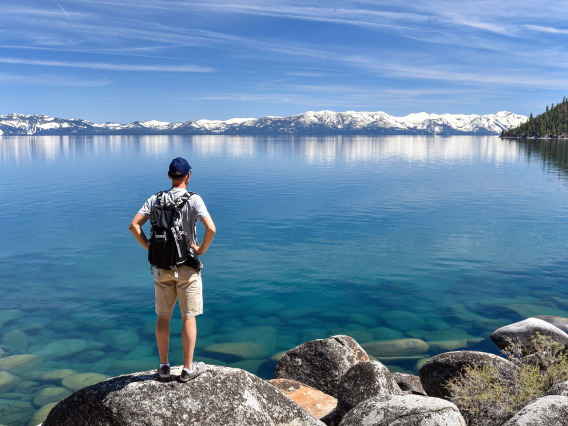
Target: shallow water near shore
440,239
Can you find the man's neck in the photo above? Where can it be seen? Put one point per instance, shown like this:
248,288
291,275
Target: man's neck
182,185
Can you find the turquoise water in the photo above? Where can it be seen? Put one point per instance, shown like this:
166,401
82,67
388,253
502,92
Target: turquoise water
431,238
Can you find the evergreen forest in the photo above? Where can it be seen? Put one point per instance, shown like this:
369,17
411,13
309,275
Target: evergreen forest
553,123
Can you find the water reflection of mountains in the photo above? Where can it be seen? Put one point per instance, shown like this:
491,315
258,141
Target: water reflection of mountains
329,149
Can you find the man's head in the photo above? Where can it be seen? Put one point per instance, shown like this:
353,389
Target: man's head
179,169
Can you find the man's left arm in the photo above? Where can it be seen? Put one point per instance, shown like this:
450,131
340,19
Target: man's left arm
207,238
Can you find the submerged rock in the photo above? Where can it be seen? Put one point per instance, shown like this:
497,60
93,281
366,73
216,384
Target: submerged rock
363,381
524,331
121,340
40,415
8,381
548,410
78,381
219,396
404,410
56,376
403,320
61,348
17,364
242,350
438,370
50,394
321,363
15,412
9,315
315,402
397,347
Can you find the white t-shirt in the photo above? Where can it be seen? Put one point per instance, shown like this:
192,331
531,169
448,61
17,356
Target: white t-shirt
192,210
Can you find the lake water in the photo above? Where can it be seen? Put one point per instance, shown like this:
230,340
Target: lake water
442,239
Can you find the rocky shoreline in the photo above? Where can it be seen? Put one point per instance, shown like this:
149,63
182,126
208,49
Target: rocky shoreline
331,381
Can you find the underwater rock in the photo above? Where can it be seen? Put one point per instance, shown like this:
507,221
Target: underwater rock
241,350
321,363
403,320
261,335
364,381
385,333
61,348
18,364
363,319
16,341
404,410
79,381
125,366
121,340
9,315
219,396
49,395
8,381
15,412
398,347
315,402
141,351
40,415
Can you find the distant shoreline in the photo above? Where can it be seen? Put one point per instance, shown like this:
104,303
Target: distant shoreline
550,137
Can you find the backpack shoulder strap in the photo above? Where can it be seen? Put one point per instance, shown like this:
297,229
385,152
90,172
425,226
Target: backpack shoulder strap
180,201
160,198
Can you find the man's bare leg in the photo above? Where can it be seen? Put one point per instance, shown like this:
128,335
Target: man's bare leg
188,336
163,337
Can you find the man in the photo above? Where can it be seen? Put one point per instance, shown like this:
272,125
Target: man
184,283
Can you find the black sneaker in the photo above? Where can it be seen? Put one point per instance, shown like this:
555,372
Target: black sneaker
164,371
198,368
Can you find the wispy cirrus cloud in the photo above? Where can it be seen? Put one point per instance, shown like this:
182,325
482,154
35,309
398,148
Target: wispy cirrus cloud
107,66
549,30
51,80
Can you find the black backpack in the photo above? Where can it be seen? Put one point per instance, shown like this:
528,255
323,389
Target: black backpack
168,247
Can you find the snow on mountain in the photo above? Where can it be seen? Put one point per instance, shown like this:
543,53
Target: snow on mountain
307,123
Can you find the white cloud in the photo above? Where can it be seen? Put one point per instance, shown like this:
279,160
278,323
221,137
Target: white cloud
107,66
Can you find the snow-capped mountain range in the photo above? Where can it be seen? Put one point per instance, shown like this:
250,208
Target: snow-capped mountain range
308,123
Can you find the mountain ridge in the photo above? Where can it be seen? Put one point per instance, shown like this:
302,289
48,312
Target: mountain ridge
312,123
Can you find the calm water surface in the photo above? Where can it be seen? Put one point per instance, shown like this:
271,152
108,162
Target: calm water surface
438,239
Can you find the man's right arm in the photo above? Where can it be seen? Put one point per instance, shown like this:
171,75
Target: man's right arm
136,229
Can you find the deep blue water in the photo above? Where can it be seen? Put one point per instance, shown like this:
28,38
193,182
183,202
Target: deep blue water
443,239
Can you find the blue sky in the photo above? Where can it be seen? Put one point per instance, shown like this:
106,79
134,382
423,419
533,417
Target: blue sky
125,60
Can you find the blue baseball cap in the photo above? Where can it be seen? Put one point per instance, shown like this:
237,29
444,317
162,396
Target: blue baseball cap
179,168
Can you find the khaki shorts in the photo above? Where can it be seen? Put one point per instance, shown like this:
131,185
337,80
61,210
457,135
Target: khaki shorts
186,288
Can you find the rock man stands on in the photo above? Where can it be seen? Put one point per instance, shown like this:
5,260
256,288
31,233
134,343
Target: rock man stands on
185,283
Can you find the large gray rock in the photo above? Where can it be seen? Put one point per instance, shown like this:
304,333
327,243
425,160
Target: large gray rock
524,331
363,381
321,363
559,389
438,370
219,396
404,410
546,411
408,383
